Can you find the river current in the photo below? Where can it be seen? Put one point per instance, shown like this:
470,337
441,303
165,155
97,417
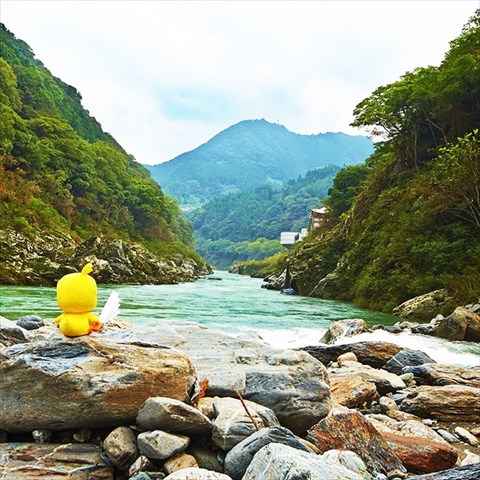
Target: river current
236,304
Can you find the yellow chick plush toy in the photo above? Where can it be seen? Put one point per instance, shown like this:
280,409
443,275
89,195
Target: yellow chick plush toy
77,297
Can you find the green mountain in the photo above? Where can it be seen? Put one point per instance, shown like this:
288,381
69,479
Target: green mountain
412,224
247,225
250,154
61,173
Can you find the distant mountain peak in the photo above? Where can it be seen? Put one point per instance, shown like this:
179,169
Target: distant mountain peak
251,153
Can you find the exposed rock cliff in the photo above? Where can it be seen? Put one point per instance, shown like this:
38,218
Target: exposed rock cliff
46,257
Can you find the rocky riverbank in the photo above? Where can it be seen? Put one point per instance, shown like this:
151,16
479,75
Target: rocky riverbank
177,400
45,258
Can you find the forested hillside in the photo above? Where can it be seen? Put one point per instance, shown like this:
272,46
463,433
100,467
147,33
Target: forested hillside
59,172
250,154
414,225
247,225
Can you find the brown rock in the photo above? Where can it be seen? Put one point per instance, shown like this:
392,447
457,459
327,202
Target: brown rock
352,391
375,354
420,448
345,429
179,462
450,403
86,382
472,333
384,381
31,461
453,327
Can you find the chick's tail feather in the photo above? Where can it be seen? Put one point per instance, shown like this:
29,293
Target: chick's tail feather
111,308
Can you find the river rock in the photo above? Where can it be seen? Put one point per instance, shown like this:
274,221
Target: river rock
283,463
352,391
140,465
449,403
420,448
469,472
345,429
348,459
196,474
453,327
289,382
159,445
406,358
436,374
179,462
384,381
240,456
162,413
11,333
31,461
466,436
424,307
344,328
375,354
206,457
462,324
30,322
121,447
347,357
86,382
233,424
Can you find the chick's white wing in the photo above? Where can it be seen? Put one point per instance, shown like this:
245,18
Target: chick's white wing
111,308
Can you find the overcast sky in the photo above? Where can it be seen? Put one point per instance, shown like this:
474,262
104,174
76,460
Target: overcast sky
163,77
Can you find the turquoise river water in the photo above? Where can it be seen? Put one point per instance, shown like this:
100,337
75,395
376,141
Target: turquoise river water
236,304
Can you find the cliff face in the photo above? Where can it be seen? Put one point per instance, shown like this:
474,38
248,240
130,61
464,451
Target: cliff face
413,223
45,258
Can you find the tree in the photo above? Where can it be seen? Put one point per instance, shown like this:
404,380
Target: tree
456,177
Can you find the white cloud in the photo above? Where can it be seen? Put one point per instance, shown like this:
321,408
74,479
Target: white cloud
165,76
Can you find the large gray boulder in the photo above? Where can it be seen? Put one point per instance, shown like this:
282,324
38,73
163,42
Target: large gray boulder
162,413
291,383
235,422
239,457
286,463
88,381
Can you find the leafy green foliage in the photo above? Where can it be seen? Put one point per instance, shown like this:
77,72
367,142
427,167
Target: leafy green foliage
413,224
59,170
247,225
260,268
250,154
346,185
